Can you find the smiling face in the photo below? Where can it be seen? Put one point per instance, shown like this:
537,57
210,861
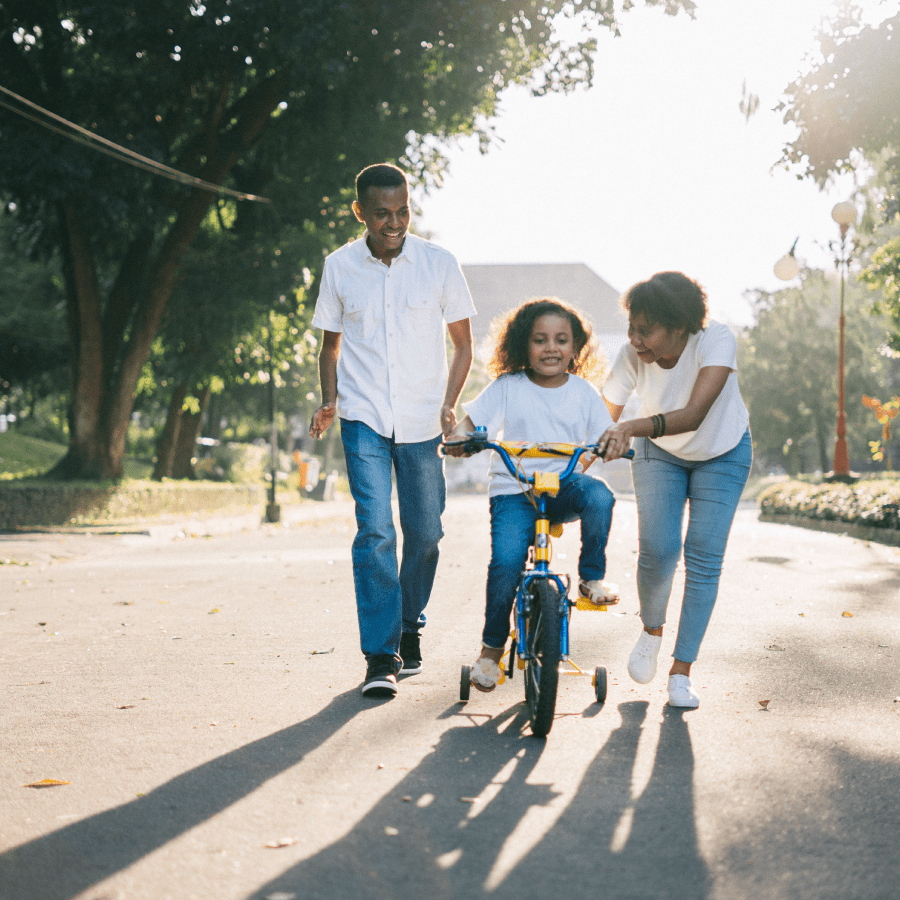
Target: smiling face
551,348
385,213
655,343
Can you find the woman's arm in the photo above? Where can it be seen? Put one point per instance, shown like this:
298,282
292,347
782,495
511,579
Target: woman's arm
710,381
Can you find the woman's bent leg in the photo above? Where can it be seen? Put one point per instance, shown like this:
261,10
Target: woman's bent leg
512,528
715,489
660,488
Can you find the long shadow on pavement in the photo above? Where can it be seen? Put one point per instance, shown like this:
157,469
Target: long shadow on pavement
70,860
440,846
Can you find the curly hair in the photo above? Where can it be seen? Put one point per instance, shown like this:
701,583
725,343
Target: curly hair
670,299
512,332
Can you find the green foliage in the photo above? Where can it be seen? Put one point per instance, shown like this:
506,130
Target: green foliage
788,372
272,97
873,503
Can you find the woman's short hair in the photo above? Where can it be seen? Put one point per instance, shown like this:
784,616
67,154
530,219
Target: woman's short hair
670,299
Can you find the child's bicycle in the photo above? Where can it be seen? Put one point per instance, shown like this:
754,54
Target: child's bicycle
540,638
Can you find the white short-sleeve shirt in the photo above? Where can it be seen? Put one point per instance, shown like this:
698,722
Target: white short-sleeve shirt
392,369
515,409
663,390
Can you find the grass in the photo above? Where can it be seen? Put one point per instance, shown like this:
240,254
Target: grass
29,457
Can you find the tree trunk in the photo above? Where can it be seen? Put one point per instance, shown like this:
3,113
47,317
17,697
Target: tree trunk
165,447
108,351
183,463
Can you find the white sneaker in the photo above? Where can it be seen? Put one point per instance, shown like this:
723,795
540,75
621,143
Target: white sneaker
485,674
642,662
601,593
682,693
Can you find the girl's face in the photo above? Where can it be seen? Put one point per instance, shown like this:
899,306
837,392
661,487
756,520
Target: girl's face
655,343
551,348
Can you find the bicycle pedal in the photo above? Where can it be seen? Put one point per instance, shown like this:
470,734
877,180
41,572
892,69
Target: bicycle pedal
520,663
502,677
588,605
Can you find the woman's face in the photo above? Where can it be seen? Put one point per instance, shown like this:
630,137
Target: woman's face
655,343
550,349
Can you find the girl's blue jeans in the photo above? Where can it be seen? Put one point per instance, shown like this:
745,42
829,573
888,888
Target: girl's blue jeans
389,601
512,530
711,489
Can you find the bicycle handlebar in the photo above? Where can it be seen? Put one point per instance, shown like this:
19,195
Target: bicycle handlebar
478,441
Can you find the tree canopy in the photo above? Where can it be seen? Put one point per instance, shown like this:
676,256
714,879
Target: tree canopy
271,97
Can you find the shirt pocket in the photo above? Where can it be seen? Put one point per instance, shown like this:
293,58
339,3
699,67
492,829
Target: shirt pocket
357,319
423,312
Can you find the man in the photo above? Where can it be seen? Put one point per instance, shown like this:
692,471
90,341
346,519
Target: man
382,306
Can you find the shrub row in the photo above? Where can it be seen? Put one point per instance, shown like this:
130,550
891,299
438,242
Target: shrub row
871,504
29,504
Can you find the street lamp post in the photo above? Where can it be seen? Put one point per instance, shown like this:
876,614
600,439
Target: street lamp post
786,268
845,215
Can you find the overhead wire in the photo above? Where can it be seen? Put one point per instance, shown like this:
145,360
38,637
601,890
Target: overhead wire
116,151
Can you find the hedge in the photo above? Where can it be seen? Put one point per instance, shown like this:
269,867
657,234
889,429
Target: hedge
870,504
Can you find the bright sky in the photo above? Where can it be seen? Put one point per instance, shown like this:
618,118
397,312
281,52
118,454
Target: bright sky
655,167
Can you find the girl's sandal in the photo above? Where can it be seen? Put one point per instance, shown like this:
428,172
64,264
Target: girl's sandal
600,593
485,675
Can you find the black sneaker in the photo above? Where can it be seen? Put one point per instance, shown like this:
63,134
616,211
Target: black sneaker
410,653
381,677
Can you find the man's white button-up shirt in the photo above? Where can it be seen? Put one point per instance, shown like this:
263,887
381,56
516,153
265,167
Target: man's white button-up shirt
392,369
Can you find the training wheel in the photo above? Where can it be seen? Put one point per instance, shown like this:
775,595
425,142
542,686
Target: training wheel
600,684
465,683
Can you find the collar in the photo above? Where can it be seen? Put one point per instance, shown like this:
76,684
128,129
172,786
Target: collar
408,252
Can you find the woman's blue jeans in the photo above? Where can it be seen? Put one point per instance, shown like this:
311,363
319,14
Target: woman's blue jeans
389,601
512,530
663,486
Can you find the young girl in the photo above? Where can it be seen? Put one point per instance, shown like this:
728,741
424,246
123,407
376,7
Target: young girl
543,355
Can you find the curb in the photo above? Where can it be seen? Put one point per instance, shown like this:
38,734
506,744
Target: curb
888,536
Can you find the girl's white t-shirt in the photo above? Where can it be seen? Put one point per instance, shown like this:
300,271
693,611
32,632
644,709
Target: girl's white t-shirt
513,408
664,390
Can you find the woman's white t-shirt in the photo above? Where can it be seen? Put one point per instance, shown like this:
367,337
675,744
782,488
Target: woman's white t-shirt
513,408
664,390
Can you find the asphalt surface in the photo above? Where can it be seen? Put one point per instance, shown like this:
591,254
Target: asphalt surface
197,687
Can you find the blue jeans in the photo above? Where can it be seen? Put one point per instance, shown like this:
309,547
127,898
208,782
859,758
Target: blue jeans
663,485
512,530
389,601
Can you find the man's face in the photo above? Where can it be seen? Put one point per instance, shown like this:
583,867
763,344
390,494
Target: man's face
385,213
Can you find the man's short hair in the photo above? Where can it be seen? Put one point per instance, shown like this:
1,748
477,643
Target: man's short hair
381,175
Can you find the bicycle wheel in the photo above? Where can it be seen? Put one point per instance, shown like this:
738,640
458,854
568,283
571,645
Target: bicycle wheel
465,682
600,684
542,669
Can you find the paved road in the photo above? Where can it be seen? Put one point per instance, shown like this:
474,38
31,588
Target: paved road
200,694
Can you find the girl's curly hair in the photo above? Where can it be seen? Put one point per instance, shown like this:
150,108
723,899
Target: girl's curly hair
513,330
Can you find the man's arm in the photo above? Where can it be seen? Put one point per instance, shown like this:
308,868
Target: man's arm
328,360
461,338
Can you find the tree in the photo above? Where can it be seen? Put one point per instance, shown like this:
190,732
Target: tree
788,367
271,96
33,349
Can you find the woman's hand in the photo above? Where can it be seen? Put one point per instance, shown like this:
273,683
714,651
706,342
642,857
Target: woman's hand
616,441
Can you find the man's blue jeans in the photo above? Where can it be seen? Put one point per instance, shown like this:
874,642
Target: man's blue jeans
512,530
663,485
389,601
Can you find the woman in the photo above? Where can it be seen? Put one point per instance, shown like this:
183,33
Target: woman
692,447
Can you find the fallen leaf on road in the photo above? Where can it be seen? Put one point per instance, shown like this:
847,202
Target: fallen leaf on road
213,611
774,647
281,842
129,706
390,831
320,652
847,615
47,782
764,703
